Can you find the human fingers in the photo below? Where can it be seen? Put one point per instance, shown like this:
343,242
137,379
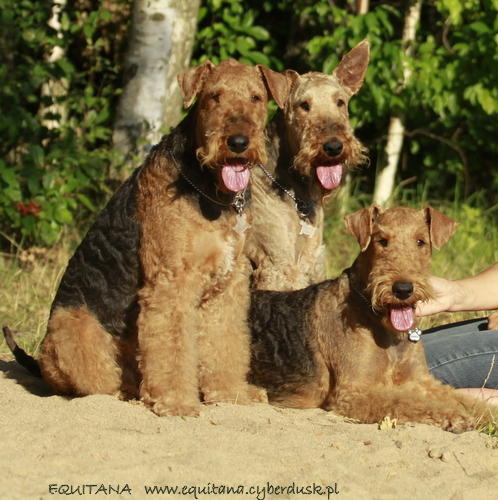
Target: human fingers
493,321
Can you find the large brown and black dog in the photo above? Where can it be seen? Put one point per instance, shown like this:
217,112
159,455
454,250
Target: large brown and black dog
311,143
155,299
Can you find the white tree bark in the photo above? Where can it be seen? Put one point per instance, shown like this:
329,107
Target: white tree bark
362,6
55,88
384,186
160,47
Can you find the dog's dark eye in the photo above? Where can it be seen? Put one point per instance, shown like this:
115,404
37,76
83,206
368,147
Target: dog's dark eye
340,103
304,105
216,98
421,243
255,98
383,242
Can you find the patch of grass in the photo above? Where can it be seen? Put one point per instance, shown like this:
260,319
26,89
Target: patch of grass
29,283
491,429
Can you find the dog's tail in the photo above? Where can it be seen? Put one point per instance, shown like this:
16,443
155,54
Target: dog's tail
21,356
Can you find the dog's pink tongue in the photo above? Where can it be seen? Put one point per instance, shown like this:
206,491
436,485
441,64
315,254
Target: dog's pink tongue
329,175
235,177
402,318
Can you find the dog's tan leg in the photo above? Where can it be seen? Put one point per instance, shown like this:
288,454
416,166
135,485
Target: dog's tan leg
408,403
78,356
224,346
167,343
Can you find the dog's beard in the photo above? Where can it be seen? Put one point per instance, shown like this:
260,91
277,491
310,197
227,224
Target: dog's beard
397,315
329,171
232,168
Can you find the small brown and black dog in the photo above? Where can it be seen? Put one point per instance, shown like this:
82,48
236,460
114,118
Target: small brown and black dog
154,301
351,344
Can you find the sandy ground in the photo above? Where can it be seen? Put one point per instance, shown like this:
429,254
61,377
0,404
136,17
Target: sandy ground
99,447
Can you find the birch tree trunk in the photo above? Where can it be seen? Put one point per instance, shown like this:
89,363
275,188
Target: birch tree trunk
384,186
160,47
55,88
362,6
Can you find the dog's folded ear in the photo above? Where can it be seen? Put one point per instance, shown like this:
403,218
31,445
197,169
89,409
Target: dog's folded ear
279,84
192,80
441,226
360,224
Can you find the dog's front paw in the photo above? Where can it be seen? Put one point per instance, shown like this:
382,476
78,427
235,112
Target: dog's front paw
257,394
175,410
223,396
244,395
172,406
251,394
456,422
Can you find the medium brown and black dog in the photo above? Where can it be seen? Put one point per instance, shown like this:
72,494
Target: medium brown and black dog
351,344
154,301
311,143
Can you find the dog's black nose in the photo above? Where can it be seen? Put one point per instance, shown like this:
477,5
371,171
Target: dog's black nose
402,290
333,148
238,143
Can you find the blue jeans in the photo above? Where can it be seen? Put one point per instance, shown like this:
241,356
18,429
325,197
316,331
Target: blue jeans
461,354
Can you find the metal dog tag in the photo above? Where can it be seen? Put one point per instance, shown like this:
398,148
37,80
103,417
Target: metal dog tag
414,334
241,224
307,229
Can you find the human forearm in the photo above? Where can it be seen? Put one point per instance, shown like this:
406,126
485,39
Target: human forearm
476,293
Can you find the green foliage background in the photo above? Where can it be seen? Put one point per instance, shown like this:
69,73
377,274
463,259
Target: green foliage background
450,104
62,171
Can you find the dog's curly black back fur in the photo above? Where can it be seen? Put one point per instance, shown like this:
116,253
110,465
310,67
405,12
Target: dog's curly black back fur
283,341
103,273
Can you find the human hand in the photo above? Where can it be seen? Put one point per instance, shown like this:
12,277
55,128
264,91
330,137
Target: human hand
443,297
493,321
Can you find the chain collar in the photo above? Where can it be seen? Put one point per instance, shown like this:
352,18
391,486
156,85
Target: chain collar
362,297
303,208
238,203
